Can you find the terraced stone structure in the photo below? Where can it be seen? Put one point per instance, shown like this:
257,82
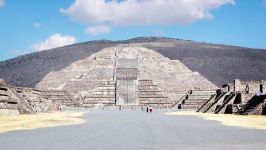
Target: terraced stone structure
241,97
126,75
16,100
60,98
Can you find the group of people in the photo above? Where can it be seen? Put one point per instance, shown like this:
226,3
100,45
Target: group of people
149,109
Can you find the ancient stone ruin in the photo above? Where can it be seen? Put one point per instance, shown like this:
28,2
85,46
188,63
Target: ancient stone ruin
133,76
241,97
126,76
15,100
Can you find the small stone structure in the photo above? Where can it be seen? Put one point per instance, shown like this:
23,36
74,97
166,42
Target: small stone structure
195,98
16,100
8,102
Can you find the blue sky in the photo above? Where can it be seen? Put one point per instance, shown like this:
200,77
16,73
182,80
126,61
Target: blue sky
29,25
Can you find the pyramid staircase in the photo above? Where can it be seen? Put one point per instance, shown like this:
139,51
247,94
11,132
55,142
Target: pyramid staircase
150,94
104,94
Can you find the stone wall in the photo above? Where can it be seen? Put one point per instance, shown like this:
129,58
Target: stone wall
249,87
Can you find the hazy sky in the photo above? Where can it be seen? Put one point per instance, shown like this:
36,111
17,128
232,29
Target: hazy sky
33,25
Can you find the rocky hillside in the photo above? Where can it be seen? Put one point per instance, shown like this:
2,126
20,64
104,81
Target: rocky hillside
219,63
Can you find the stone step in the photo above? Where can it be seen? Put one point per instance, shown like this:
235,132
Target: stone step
104,90
203,92
155,103
149,92
148,89
145,82
108,83
195,100
54,94
9,106
60,99
189,106
152,96
100,96
154,100
64,102
99,102
3,92
192,103
57,97
106,87
4,97
199,96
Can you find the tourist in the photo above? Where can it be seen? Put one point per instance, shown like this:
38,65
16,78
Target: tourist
151,109
147,109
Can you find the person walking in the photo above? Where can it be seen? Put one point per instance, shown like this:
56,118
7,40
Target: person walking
147,109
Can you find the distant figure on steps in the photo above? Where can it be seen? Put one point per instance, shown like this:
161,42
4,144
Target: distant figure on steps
147,109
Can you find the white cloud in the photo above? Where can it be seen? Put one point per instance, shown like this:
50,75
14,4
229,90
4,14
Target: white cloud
55,40
142,12
37,25
100,29
2,3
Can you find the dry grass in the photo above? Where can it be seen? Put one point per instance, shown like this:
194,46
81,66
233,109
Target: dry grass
252,122
27,122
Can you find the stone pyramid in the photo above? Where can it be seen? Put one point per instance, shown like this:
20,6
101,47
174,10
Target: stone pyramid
126,75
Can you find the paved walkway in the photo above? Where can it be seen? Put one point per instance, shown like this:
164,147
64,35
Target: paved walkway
136,130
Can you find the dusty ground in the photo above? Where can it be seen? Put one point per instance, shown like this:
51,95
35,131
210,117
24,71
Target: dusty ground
42,120
251,121
136,130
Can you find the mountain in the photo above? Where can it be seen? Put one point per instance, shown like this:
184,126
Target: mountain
219,63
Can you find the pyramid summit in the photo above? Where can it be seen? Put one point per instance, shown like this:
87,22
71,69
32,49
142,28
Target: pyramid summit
126,75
